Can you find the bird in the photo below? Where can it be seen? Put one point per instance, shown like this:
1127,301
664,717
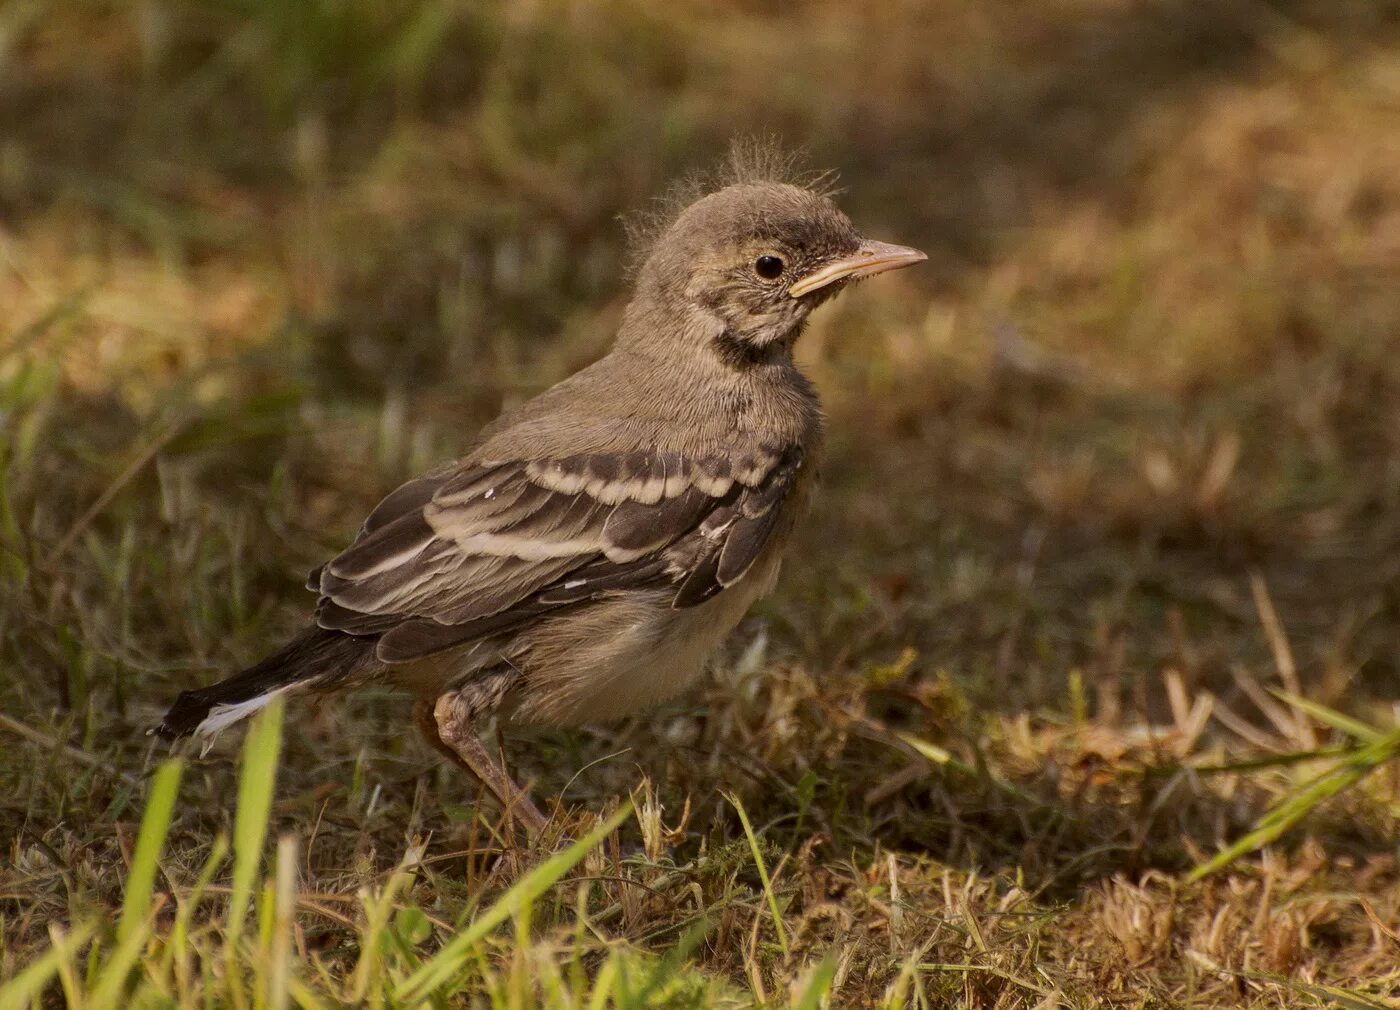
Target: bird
595,544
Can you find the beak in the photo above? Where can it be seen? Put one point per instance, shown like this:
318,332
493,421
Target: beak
870,259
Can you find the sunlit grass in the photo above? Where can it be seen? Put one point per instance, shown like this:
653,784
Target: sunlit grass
403,955
1078,688
1342,768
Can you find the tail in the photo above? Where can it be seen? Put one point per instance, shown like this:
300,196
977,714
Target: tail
315,658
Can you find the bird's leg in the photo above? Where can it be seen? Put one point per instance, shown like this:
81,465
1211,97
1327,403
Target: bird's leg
448,727
428,727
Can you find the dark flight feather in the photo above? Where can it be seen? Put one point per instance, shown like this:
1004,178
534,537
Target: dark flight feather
735,536
633,527
406,498
490,547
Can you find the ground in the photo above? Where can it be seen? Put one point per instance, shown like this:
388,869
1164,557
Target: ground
1106,567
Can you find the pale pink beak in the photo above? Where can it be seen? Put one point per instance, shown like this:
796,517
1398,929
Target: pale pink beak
870,259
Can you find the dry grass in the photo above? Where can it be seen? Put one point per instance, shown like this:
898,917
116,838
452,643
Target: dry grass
1113,475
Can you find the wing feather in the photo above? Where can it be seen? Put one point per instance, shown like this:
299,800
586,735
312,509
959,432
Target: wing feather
471,553
633,528
734,537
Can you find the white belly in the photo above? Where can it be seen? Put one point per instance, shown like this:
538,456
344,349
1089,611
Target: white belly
620,656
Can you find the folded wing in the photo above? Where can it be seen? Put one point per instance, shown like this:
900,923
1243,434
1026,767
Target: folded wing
476,551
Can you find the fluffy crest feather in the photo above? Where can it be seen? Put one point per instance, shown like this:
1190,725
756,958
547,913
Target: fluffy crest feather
750,159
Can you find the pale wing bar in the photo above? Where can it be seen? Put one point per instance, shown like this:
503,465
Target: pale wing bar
460,556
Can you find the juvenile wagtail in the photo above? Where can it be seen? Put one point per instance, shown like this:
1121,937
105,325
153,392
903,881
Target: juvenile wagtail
596,543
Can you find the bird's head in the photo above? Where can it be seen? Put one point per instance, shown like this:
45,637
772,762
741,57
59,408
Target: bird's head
755,258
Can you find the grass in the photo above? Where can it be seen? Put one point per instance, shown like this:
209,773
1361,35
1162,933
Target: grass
140,963
1079,689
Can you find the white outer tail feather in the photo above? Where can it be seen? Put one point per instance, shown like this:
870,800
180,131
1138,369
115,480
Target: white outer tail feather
221,717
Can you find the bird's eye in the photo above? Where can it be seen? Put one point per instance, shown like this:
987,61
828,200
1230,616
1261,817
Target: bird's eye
768,267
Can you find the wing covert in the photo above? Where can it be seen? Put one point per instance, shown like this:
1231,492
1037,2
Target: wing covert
476,551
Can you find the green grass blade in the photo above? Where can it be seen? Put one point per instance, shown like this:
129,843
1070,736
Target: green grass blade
177,952
1331,717
671,965
1349,999
818,985
111,983
284,915
762,872
256,786
604,985
1325,995
150,842
939,756
1278,819
1273,760
303,996
448,962
21,991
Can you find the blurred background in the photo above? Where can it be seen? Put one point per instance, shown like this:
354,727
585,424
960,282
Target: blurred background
1122,455
259,261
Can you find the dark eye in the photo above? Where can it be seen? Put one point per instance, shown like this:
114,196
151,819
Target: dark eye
768,267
